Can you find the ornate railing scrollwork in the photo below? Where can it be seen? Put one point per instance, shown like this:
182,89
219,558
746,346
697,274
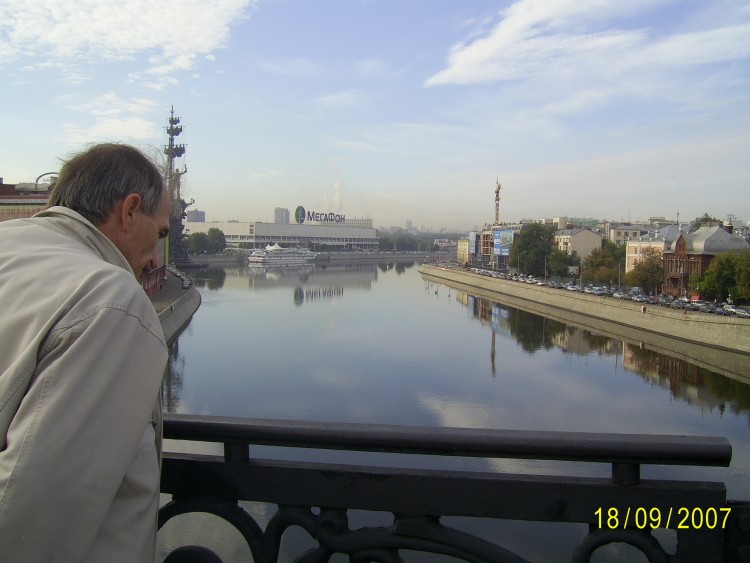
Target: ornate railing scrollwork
317,497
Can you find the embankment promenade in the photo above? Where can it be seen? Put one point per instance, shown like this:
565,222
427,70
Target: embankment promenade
175,306
718,343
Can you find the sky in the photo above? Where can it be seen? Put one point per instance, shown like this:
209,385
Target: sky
396,110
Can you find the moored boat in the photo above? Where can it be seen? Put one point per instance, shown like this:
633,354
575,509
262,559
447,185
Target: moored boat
276,255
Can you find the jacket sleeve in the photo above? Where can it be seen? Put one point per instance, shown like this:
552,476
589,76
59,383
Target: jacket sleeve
76,433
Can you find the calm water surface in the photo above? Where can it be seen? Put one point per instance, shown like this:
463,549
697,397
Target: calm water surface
375,343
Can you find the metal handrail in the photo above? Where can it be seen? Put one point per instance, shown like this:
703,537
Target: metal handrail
468,442
318,496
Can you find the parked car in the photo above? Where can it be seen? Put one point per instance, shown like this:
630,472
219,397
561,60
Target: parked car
743,313
665,300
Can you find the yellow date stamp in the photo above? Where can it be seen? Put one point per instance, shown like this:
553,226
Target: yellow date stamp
681,518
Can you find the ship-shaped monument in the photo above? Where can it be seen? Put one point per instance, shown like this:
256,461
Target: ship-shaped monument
177,252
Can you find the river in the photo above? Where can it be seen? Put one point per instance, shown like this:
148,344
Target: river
376,343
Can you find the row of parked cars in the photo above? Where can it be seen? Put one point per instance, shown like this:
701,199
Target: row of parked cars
606,291
186,281
726,309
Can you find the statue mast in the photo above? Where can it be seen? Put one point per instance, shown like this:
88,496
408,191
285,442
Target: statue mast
177,244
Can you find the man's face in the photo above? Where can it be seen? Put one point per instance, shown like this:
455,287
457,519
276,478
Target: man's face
140,249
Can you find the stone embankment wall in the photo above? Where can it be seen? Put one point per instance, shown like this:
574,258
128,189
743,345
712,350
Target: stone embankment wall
722,333
176,315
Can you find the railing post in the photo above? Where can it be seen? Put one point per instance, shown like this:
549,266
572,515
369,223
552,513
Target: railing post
235,452
626,473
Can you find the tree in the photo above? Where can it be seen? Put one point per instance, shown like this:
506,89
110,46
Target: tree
557,263
728,275
198,243
705,220
742,275
216,241
599,266
648,271
618,252
531,247
603,264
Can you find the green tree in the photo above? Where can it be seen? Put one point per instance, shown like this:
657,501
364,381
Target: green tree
216,241
600,266
703,221
742,275
404,241
531,247
618,252
648,271
385,242
728,275
198,243
557,263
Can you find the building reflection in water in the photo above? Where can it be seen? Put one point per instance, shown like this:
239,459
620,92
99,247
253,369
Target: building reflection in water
308,282
171,385
532,332
209,278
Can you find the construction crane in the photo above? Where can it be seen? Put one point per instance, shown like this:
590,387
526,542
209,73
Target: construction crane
497,202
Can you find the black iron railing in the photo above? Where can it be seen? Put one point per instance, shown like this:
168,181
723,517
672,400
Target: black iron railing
316,496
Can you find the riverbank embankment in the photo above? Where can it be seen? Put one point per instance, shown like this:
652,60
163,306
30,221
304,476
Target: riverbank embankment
175,305
719,343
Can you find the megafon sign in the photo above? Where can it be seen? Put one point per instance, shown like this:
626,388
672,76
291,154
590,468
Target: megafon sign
301,215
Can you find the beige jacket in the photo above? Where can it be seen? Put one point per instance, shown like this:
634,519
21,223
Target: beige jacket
82,356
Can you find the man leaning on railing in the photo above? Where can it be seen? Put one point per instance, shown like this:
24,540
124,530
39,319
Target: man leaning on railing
82,355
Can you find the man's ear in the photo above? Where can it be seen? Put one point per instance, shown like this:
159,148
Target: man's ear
130,205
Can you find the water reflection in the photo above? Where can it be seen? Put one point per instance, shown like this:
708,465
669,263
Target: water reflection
209,278
688,382
375,343
685,381
171,386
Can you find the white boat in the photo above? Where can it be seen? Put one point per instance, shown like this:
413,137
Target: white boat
275,255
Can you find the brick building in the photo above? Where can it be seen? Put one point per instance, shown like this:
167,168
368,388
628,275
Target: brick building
692,253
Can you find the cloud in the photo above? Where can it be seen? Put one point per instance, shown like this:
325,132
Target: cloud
109,128
540,37
113,118
354,145
267,173
704,47
348,99
170,34
110,104
297,67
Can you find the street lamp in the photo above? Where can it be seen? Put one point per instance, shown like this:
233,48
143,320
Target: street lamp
545,267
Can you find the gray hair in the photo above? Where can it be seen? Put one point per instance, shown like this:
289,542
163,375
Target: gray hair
93,181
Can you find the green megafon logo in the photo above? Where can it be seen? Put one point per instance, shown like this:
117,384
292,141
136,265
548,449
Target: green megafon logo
299,214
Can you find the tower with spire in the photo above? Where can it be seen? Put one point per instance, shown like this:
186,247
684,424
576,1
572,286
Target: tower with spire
178,252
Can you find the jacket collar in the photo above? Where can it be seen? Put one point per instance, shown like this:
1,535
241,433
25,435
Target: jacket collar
81,229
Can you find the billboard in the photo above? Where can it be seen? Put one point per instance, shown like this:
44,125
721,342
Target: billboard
472,242
503,241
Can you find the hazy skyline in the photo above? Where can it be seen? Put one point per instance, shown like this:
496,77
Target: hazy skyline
397,110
